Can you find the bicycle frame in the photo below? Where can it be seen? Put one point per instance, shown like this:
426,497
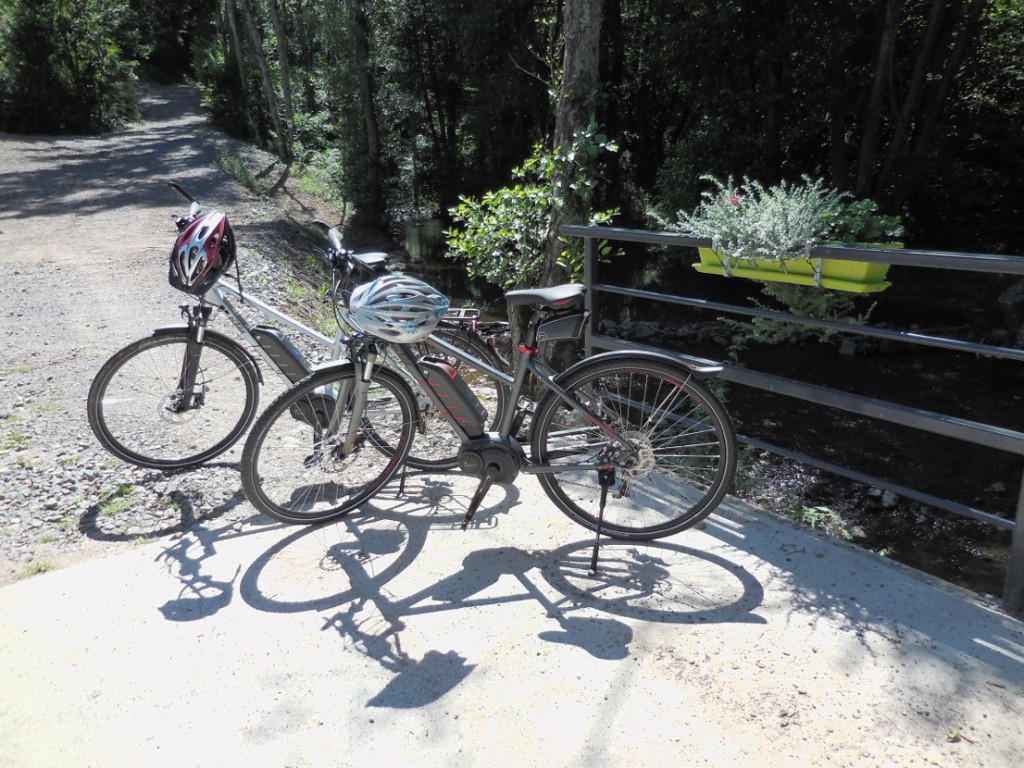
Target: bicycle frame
525,365
222,294
218,296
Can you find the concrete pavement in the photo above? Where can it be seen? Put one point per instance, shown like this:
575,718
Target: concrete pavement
393,635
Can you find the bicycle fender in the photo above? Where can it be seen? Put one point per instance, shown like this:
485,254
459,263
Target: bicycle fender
167,330
329,365
698,366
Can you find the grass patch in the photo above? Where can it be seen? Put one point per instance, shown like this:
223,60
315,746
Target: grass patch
238,170
169,503
69,461
115,502
36,568
13,440
821,519
295,291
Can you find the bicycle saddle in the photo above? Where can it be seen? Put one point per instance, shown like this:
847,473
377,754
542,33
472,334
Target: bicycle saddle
561,297
371,261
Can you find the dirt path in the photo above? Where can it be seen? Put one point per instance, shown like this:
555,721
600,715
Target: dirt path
85,226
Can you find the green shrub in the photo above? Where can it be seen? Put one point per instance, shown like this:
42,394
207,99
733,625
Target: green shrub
63,66
502,236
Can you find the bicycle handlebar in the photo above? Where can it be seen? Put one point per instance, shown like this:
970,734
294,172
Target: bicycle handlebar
193,205
332,234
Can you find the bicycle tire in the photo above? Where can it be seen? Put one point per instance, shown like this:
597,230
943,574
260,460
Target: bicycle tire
437,446
291,466
684,448
129,404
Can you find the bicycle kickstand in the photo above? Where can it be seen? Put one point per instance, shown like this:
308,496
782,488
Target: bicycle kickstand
485,485
605,477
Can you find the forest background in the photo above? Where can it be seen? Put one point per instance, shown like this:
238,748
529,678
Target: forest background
536,113
402,107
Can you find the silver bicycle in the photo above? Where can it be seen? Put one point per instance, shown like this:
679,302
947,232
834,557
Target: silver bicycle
186,393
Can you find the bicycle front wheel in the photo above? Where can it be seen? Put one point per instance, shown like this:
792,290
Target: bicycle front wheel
135,407
294,466
682,450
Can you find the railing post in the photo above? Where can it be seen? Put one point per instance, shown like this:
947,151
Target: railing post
1013,588
589,274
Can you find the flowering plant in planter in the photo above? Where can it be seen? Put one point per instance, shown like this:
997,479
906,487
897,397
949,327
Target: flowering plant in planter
767,232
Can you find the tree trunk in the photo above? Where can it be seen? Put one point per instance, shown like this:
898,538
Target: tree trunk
911,100
286,75
268,83
576,102
306,53
772,60
373,205
236,45
966,34
872,128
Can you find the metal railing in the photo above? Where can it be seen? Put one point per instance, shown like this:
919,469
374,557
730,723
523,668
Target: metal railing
936,423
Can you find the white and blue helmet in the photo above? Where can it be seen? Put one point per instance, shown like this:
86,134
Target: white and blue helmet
397,308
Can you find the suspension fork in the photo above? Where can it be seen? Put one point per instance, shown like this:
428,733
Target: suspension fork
364,363
197,317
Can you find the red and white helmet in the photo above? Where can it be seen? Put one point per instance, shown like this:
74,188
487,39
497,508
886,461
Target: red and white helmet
202,253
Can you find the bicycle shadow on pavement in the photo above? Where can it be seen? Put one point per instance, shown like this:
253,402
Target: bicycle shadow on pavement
346,571
191,541
201,594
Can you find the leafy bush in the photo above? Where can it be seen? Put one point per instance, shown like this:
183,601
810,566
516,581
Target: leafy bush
503,234
859,221
63,66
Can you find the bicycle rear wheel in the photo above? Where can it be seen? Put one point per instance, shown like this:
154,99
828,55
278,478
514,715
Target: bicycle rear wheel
134,405
437,447
294,467
682,444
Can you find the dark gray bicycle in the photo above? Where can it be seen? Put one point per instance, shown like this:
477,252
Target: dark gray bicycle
627,443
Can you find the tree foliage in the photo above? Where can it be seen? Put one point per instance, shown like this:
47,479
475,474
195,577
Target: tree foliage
502,236
409,104
64,66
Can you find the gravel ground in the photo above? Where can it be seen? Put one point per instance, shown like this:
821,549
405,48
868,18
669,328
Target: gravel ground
84,231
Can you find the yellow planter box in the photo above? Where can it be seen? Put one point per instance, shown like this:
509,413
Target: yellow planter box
836,274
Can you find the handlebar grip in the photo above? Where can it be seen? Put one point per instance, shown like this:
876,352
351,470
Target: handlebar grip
181,191
332,234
